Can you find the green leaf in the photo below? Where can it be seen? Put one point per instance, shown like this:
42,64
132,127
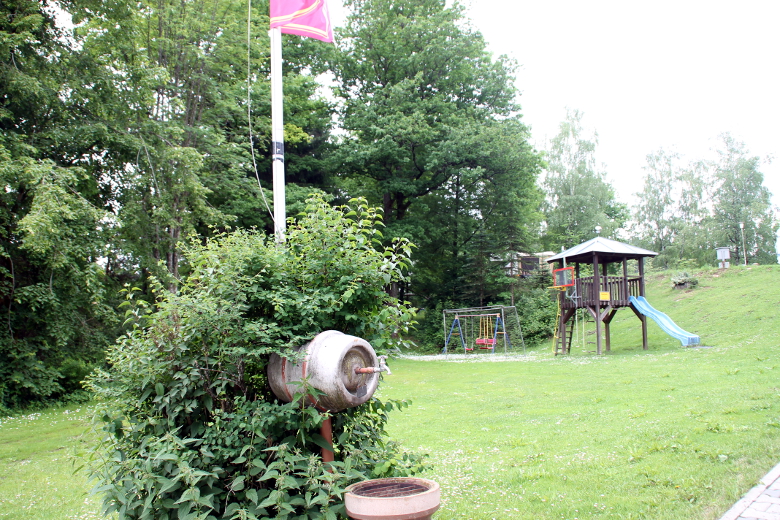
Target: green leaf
320,441
238,483
268,475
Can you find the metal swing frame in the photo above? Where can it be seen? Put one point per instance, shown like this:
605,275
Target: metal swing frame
462,319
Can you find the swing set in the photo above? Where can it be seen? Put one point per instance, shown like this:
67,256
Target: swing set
481,328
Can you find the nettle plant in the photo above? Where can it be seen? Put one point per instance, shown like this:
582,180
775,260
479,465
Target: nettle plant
190,429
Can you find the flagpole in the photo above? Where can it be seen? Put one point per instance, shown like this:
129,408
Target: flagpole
277,133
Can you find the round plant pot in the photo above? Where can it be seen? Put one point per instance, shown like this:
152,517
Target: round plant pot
405,498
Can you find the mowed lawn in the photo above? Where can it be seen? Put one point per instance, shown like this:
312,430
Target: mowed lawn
667,433
38,455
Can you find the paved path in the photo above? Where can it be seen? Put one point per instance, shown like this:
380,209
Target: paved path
761,503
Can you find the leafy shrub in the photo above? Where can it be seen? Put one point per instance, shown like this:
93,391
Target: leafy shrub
428,334
536,306
684,279
190,427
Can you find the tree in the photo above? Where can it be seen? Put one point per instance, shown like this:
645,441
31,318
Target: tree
432,132
741,200
579,198
119,136
182,163
57,316
671,217
686,211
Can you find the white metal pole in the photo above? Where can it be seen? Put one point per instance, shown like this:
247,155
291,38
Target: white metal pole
744,249
277,133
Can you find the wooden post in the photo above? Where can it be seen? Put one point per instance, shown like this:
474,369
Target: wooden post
326,430
643,319
642,293
597,295
609,313
625,282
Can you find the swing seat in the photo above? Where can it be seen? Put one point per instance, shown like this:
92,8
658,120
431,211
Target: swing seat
486,341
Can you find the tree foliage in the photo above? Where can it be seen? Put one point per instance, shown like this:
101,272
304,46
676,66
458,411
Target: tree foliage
181,161
56,302
685,211
433,133
742,211
190,427
671,216
579,198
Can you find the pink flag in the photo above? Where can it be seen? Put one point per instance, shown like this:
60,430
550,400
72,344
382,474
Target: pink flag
303,17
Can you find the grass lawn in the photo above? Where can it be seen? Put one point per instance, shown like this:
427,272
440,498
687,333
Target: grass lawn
668,433
37,480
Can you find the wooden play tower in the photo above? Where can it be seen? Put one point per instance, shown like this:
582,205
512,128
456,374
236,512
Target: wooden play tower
600,293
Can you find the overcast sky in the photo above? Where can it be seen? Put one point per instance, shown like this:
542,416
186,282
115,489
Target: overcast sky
646,75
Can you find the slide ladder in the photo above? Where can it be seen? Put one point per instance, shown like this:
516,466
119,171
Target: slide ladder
663,321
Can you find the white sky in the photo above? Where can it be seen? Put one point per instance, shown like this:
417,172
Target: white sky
666,74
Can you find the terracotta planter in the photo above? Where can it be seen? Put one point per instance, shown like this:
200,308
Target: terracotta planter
405,498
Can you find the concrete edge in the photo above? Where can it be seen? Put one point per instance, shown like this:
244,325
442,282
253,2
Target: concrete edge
751,496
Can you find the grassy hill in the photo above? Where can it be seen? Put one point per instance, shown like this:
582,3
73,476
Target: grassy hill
729,308
667,433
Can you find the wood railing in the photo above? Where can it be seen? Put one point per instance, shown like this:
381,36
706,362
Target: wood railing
585,293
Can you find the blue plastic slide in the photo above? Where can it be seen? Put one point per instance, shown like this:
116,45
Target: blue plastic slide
663,321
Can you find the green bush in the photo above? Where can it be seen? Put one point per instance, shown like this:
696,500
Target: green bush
190,427
684,279
536,306
428,334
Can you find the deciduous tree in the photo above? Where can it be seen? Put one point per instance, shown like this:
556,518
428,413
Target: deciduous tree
741,199
433,133
53,295
579,197
180,71
672,216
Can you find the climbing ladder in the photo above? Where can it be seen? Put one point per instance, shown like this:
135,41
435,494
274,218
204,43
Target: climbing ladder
562,279
558,346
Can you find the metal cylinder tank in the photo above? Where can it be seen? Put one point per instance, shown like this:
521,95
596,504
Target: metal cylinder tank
329,363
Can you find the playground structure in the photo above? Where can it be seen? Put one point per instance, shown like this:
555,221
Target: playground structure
601,294
482,328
